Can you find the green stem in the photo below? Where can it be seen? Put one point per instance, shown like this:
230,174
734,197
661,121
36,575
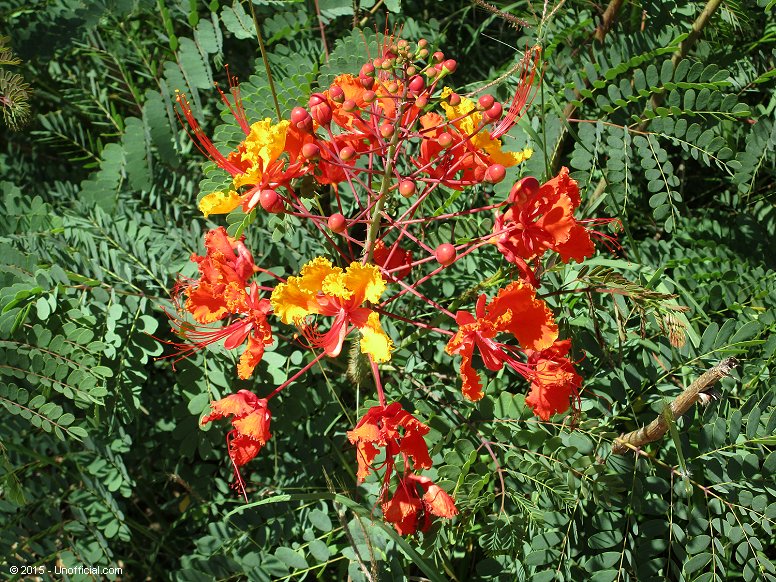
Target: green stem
264,58
374,225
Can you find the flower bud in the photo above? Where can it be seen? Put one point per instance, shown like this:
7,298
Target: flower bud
347,153
431,72
407,188
421,101
422,43
367,82
368,70
337,94
349,105
450,65
387,64
438,57
494,113
417,84
393,87
300,117
271,202
454,99
524,189
485,102
423,53
337,223
377,63
311,151
369,96
411,70
495,173
445,254
320,109
445,139
386,130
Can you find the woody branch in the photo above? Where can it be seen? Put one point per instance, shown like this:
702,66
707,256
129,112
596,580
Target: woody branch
658,427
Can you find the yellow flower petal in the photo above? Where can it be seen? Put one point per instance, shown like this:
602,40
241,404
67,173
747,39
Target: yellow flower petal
219,202
291,303
365,281
315,272
374,341
263,146
334,284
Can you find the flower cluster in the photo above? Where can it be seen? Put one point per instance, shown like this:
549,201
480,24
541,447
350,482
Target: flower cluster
383,146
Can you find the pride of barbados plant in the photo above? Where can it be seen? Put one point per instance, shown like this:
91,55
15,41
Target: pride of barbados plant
362,164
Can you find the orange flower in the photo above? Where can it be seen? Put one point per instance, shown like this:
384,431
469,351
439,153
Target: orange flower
515,310
250,419
220,293
409,512
541,219
379,427
555,381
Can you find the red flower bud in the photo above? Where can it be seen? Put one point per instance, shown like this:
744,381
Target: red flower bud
320,109
386,130
369,96
494,113
349,105
422,101
368,70
524,189
377,63
485,102
393,87
454,99
366,81
423,53
300,117
495,173
445,139
417,84
310,151
411,70
337,94
337,223
450,65
347,153
438,57
407,188
445,254
271,202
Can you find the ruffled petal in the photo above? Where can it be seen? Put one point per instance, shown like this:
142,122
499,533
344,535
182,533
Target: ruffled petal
250,358
365,281
256,424
374,341
579,246
219,202
532,322
472,385
237,405
243,449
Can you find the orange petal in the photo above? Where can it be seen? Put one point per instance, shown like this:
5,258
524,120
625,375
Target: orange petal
250,358
402,510
255,425
472,386
579,246
239,404
242,449
532,322
438,502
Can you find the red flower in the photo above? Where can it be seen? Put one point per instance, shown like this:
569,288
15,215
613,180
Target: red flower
380,427
515,310
542,219
219,293
409,512
250,419
555,381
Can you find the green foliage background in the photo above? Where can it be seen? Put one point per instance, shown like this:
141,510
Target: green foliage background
102,461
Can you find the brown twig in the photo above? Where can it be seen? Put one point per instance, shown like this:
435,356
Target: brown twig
658,427
513,20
